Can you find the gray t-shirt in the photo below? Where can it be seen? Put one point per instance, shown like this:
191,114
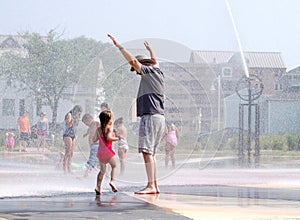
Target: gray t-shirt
150,98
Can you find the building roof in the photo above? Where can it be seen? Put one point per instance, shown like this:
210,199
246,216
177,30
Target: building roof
295,71
253,59
11,41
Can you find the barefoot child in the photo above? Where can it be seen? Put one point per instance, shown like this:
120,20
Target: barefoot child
105,136
171,143
9,141
122,144
92,162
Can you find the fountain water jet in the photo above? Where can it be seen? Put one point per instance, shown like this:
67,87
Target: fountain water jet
238,39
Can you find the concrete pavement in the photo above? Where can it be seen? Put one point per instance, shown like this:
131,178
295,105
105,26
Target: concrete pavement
38,191
175,202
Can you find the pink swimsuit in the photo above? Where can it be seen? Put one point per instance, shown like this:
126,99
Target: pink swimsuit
105,151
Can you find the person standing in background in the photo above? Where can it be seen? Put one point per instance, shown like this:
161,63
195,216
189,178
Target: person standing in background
171,143
68,137
9,141
71,122
120,130
42,131
76,115
104,106
24,131
92,162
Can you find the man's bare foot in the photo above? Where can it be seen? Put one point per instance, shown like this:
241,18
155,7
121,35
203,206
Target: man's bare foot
156,187
147,190
113,188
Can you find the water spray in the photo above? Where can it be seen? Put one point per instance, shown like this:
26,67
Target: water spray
238,39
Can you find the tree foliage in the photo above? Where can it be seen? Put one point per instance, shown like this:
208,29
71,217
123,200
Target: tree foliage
50,65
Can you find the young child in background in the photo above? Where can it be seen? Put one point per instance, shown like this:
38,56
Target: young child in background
70,126
105,154
9,141
68,138
171,143
92,162
4,139
42,131
122,144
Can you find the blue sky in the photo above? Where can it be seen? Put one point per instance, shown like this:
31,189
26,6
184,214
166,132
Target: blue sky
263,25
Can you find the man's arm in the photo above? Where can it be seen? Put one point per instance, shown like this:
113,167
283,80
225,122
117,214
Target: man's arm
127,55
152,55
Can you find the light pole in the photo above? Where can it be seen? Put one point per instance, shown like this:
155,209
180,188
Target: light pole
212,88
219,102
200,120
254,87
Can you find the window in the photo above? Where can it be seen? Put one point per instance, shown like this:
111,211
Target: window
296,77
227,85
21,106
8,107
278,86
258,72
226,72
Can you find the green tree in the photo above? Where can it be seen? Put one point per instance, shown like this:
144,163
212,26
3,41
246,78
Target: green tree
50,65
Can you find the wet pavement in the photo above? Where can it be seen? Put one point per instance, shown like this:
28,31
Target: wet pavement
84,206
175,202
39,191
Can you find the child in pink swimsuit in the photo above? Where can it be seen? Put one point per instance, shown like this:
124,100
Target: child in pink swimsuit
171,143
106,136
10,141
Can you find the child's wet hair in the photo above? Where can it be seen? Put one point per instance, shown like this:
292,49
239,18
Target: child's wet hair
86,116
105,116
